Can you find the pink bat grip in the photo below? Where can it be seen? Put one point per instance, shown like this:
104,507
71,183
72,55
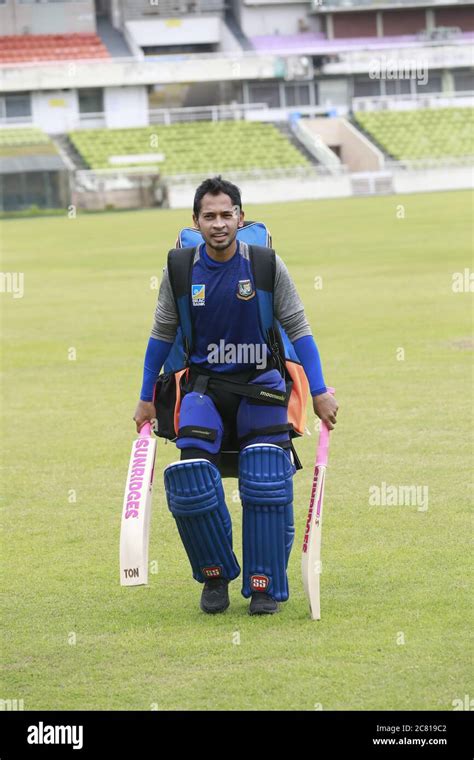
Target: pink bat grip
323,445
145,430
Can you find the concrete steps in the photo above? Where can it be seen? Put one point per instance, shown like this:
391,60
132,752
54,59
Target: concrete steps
285,129
234,27
112,39
70,155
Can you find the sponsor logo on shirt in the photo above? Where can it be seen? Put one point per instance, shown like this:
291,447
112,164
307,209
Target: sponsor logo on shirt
199,295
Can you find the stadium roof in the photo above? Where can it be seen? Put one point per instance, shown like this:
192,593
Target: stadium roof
40,163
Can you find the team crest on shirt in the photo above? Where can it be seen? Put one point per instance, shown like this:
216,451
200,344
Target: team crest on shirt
245,291
198,293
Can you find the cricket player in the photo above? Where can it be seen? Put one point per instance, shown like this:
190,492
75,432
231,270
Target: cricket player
224,314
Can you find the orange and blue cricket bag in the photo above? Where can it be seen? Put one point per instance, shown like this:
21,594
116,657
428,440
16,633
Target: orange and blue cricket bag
175,371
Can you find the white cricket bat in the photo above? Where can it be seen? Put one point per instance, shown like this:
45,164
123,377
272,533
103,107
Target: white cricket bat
311,553
136,513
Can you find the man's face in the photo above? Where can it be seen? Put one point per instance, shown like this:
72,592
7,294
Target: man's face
218,220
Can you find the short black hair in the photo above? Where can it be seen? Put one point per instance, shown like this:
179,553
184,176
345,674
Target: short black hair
216,185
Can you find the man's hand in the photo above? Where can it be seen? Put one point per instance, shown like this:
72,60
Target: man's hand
325,407
145,412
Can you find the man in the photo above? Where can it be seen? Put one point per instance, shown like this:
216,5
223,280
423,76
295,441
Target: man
224,313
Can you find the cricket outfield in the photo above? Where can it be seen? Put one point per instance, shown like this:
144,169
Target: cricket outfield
393,323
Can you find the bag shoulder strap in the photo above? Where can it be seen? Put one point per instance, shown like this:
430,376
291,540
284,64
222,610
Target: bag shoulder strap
180,266
263,263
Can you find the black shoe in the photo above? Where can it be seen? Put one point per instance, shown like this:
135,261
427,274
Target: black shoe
215,595
263,604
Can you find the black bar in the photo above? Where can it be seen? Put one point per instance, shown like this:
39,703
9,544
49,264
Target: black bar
310,734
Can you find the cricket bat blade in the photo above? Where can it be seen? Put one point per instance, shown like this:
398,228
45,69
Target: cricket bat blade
136,511
311,553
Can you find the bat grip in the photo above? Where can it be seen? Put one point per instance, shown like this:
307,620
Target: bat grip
323,445
145,430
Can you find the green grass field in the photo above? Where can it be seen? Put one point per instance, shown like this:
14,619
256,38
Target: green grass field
395,603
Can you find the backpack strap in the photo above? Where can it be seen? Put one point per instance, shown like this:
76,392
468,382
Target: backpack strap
180,266
263,263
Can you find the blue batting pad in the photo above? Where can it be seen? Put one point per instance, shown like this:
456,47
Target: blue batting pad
252,416
196,499
266,491
200,424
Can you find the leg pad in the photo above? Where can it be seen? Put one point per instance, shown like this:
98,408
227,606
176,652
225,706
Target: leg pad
196,499
266,492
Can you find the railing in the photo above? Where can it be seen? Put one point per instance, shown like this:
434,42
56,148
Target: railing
309,173
317,147
422,164
92,120
146,9
318,5
166,116
16,121
92,176
165,58
232,112
413,101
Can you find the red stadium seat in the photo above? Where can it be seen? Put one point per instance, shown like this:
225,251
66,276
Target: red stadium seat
42,47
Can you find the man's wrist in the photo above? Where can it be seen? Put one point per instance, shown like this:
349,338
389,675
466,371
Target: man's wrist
319,391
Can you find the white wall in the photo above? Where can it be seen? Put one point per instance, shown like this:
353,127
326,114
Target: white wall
191,30
126,107
334,93
268,19
426,180
47,18
272,190
284,190
55,111
113,72
58,111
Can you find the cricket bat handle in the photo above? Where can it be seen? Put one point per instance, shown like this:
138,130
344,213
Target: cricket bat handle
323,445
145,430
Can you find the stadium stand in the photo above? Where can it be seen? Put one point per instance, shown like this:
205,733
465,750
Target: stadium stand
422,133
31,170
191,147
24,142
25,48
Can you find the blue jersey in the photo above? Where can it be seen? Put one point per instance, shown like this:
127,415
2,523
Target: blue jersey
224,311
